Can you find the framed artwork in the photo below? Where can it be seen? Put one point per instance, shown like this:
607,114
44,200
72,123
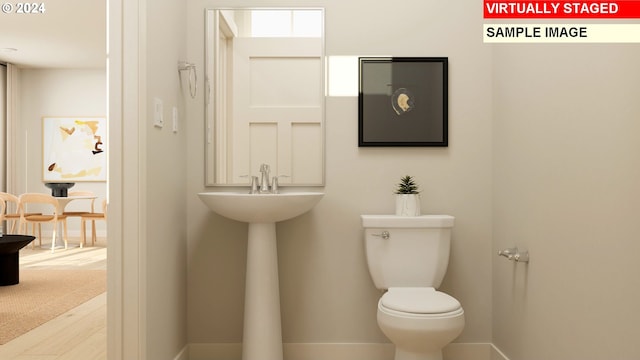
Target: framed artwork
74,149
403,101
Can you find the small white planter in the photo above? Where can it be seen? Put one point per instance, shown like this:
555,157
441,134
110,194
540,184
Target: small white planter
408,204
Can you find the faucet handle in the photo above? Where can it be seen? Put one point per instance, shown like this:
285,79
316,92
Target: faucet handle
274,183
254,183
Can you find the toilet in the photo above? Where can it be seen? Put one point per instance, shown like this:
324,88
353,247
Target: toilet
408,256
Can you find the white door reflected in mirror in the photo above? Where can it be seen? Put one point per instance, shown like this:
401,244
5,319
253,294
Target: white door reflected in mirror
265,98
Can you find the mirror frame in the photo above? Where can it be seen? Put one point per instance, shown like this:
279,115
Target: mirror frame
215,133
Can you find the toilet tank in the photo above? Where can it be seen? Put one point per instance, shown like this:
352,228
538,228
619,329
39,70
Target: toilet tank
414,254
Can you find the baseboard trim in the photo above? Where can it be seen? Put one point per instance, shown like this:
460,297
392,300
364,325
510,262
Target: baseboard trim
497,354
342,351
183,354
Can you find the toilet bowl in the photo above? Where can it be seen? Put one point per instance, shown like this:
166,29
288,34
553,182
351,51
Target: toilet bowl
419,321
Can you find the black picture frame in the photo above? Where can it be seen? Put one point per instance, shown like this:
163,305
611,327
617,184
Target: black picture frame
403,101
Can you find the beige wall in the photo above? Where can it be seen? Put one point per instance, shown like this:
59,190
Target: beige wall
326,292
566,175
567,194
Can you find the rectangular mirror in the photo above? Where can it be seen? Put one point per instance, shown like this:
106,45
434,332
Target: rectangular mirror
264,77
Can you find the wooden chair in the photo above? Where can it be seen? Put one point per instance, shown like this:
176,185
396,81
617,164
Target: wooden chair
12,201
50,214
92,217
80,193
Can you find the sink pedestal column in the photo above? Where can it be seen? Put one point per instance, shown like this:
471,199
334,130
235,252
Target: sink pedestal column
262,338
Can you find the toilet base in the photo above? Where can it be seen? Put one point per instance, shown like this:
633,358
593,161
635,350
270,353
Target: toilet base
407,355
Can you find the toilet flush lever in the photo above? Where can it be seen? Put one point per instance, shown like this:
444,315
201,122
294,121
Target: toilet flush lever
385,235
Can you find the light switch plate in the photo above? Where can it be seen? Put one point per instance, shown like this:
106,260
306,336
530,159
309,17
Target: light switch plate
158,110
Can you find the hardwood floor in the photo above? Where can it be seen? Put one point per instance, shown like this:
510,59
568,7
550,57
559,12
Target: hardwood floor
80,333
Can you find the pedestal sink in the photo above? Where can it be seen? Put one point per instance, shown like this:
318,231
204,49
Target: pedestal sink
262,337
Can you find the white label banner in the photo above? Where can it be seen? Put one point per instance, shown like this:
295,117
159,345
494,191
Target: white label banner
561,33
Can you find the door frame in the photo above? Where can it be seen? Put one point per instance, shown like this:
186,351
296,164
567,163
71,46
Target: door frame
126,264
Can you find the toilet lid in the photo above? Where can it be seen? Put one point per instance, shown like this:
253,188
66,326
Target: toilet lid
419,301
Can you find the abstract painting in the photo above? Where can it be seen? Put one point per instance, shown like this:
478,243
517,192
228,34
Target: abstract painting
403,101
74,149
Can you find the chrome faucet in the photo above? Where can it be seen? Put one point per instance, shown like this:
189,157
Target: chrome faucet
261,185
264,179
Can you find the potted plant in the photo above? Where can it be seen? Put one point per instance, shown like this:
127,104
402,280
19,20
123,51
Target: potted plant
407,197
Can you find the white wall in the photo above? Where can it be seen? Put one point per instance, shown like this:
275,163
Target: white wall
566,154
56,92
147,259
327,295
165,178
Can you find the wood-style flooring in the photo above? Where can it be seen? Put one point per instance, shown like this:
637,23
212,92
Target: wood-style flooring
81,333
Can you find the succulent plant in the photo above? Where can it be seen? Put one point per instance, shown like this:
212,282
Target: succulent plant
407,186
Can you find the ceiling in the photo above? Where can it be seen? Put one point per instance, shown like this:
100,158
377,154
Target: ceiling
69,34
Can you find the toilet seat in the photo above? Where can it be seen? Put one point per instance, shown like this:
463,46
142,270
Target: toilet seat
419,300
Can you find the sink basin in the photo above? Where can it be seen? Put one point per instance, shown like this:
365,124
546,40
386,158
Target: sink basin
260,208
262,333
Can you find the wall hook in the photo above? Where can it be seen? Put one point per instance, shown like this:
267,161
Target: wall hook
508,253
515,254
521,256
